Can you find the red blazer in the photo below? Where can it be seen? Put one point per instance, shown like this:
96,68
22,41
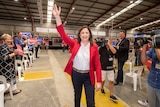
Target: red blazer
94,56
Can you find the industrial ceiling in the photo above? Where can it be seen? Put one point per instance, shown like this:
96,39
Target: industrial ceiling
86,12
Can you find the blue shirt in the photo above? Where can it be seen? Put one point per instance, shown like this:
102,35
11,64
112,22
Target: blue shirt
154,74
19,41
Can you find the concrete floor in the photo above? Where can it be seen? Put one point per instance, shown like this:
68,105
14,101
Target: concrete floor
58,91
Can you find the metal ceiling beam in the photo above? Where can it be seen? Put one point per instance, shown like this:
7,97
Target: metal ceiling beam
150,8
65,19
120,1
40,10
29,14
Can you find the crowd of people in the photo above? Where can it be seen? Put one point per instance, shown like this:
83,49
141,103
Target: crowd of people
82,73
88,59
11,49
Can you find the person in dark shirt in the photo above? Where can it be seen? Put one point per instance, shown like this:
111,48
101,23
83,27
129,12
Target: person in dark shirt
106,57
122,48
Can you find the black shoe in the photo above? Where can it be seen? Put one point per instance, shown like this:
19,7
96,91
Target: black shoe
116,83
102,91
113,98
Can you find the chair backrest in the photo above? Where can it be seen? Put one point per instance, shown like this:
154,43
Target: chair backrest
18,62
25,57
3,80
138,70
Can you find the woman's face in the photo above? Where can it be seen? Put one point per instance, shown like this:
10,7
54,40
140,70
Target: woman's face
9,41
84,34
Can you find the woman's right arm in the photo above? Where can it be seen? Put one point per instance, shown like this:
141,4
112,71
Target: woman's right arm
56,12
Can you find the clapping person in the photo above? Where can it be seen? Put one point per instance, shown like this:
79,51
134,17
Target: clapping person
7,58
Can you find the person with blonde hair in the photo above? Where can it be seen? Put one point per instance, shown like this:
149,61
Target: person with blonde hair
7,58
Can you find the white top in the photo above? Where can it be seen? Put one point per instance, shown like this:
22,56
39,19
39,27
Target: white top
81,60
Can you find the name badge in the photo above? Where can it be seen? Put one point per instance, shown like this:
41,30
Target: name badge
157,66
110,59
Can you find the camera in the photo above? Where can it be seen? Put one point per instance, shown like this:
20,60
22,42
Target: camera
140,41
105,41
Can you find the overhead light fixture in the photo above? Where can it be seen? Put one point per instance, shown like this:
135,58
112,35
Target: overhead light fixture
131,2
16,0
154,22
49,10
121,12
65,22
71,11
25,18
141,18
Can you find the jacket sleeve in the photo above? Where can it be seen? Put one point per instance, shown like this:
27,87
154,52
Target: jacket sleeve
125,45
97,65
64,36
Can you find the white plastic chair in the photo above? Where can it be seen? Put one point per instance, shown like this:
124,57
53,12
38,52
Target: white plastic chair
2,88
135,74
7,85
26,62
19,69
30,57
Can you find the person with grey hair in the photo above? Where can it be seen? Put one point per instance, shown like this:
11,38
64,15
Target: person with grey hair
7,58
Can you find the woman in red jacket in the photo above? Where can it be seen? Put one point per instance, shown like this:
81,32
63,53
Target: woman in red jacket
83,62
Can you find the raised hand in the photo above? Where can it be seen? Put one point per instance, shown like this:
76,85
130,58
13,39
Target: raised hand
56,13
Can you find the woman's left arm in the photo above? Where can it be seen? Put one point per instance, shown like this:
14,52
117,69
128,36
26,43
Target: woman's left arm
97,66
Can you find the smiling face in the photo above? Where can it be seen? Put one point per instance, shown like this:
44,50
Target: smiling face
7,39
84,35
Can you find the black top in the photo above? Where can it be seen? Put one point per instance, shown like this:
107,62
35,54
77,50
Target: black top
106,58
122,52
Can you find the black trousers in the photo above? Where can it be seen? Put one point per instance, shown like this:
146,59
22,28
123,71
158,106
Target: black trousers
36,51
78,80
120,71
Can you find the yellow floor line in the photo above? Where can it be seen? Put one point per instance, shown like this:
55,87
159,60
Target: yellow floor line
101,100
34,75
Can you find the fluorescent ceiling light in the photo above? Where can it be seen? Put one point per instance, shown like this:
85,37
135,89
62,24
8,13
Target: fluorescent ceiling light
50,3
119,13
49,10
154,22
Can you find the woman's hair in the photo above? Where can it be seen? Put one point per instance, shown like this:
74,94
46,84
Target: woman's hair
90,37
5,36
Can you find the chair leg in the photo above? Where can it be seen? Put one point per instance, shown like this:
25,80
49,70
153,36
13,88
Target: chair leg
135,83
20,69
124,79
10,90
140,84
